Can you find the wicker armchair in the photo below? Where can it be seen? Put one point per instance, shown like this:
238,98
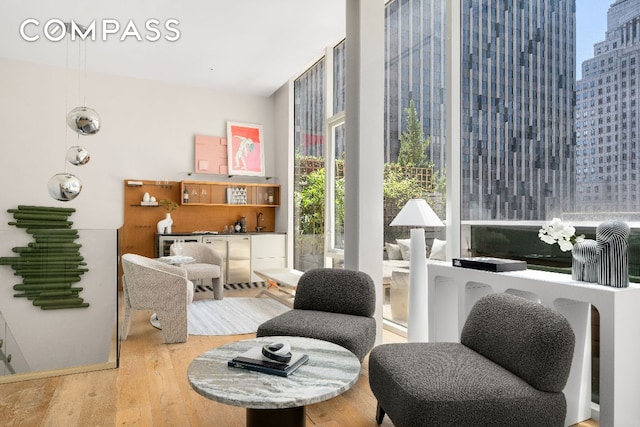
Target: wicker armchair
207,266
152,285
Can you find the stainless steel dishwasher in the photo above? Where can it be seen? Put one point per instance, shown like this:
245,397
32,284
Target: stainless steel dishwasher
236,255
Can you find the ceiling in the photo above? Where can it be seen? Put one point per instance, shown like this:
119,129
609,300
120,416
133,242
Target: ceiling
243,46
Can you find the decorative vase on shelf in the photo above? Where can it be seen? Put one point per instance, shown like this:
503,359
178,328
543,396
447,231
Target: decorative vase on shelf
164,226
613,253
584,266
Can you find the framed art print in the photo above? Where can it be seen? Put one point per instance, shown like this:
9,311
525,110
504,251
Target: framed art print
211,155
245,148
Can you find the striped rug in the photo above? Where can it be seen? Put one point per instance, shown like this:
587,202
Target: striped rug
229,316
231,286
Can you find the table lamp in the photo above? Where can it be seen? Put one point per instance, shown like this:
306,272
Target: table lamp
417,213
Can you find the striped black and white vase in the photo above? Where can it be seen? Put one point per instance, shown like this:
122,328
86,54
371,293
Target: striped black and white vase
584,265
613,253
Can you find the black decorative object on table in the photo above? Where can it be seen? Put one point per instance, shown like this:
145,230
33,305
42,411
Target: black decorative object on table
277,352
490,264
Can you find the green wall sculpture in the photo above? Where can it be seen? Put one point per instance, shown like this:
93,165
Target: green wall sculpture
51,265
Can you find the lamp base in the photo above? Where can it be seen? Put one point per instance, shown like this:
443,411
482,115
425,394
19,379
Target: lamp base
417,326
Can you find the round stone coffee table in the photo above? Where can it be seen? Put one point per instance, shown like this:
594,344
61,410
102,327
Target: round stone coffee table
270,399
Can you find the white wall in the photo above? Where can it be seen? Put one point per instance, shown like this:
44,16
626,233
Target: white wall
284,158
55,339
147,132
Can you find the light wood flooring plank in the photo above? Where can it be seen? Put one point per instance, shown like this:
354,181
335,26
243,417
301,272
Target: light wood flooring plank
151,389
83,399
132,383
24,403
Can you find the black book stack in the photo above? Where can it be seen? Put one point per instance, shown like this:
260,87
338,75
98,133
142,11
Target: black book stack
252,360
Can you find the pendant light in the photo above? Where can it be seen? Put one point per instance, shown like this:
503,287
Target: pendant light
82,120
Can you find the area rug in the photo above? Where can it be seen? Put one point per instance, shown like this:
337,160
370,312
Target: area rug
229,316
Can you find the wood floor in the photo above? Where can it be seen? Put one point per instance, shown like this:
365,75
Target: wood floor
151,389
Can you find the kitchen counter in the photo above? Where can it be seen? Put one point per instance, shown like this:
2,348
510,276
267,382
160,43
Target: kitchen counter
241,252
213,233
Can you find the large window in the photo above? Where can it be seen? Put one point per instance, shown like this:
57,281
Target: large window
334,188
549,112
414,98
309,182
549,121
549,124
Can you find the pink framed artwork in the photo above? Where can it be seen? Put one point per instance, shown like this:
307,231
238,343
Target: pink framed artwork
211,155
245,148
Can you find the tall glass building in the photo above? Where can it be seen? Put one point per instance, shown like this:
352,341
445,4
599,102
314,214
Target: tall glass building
518,77
415,69
518,74
607,97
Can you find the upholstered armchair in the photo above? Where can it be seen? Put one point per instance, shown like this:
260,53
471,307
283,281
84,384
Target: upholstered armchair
509,369
153,285
334,305
207,266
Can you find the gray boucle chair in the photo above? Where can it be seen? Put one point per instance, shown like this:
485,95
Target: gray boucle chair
509,369
207,265
334,305
153,285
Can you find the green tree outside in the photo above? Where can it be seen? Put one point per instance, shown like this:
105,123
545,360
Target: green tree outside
399,186
413,144
310,202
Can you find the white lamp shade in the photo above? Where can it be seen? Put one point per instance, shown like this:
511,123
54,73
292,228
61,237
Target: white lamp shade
417,213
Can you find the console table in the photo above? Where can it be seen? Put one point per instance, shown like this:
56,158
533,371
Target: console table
452,291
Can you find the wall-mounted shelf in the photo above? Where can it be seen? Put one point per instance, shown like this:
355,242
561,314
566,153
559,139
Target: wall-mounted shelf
209,213
148,184
266,178
221,175
231,194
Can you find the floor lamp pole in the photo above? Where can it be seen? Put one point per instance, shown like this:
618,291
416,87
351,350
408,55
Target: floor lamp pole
417,326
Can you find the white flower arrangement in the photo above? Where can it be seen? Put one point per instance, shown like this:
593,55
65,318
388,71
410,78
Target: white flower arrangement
558,232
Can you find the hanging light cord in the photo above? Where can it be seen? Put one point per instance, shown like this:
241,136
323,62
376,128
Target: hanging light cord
82,78
66,103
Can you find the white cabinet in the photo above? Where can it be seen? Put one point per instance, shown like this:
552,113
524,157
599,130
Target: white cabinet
267,251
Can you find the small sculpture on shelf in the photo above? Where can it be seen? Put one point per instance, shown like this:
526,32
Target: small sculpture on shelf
164,226
613,253
148,200
604,261
585,261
